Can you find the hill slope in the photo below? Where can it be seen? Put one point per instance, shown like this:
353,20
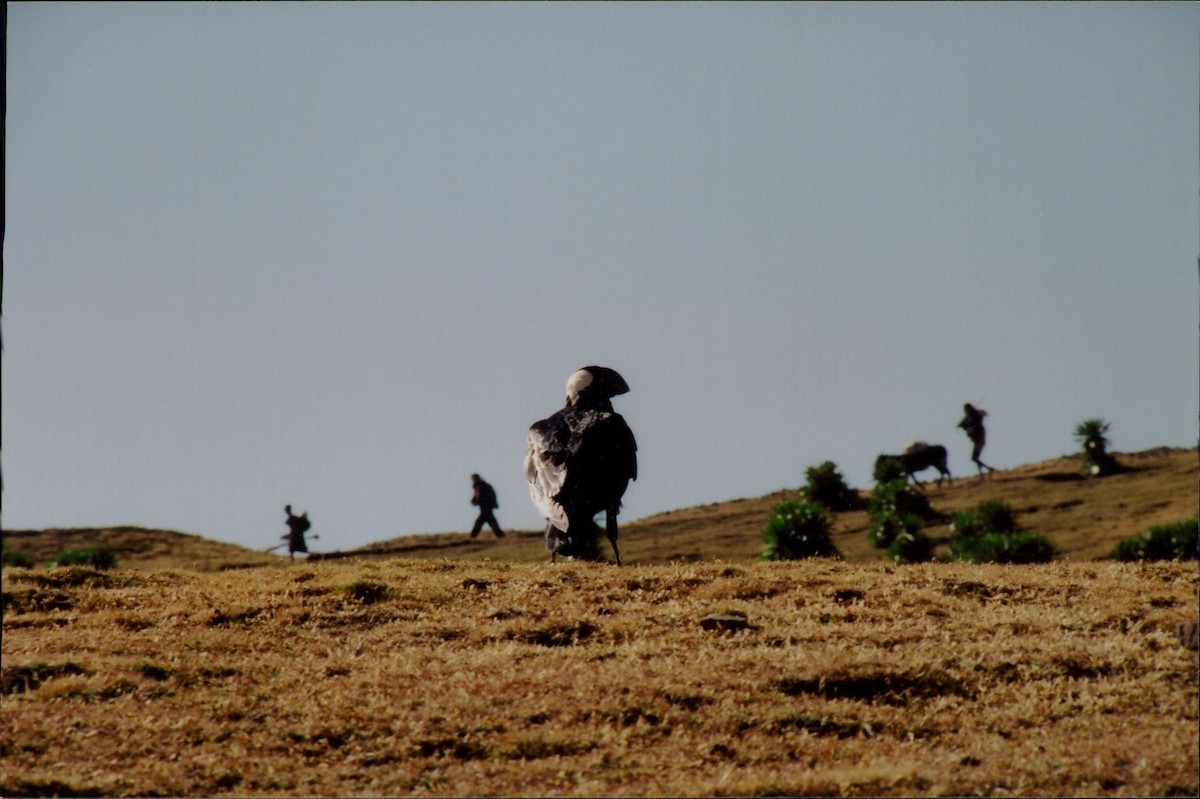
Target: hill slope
138,548
1083,517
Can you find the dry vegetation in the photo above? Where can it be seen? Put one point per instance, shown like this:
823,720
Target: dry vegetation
431,677
405,676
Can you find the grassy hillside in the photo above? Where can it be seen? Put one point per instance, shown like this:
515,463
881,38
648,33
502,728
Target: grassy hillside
458,671
1083,517
137,547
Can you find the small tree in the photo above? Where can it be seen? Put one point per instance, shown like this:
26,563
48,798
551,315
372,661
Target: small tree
825,484
1090,433
798,529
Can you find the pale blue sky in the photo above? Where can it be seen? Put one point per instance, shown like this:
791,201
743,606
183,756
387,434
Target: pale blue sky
343,255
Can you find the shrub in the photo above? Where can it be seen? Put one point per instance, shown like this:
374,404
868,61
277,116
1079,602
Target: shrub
1177,541
989,533
98,557
990,516
897,509
888,469
798,529
825,484
1130,549
897,497
1021,547
887,527
16,557
1090,433
911,547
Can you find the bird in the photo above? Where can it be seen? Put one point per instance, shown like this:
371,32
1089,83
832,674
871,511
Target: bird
579,462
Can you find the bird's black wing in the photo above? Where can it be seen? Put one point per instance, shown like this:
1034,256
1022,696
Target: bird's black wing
602,460
610,431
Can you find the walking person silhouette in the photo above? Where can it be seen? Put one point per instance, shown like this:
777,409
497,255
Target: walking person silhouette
297,527
485,497
972,423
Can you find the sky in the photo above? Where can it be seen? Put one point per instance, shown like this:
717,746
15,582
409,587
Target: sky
344,255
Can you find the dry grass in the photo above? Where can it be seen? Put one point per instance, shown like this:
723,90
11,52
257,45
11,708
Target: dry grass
200,668
419,677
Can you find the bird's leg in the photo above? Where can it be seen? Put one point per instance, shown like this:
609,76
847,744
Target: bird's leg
981,465
610,525
553,553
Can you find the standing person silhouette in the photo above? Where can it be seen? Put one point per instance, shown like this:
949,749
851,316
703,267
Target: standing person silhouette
485,498
297,526
972,423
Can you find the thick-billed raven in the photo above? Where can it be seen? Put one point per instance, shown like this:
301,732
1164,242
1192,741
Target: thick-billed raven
579,462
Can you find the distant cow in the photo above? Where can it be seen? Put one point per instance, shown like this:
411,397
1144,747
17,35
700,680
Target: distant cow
920,456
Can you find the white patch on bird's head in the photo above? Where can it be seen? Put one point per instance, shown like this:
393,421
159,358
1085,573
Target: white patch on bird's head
576,383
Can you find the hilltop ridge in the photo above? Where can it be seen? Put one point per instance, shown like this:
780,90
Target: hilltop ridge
1084,517
138,547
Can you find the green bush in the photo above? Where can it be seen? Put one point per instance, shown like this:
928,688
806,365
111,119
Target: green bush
1090,433
1130,549
1019,547
898,498
911,547
98,557
898,511
798,529
825,484
886,528
1176,541
16,557
989,533
990,516
888,469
